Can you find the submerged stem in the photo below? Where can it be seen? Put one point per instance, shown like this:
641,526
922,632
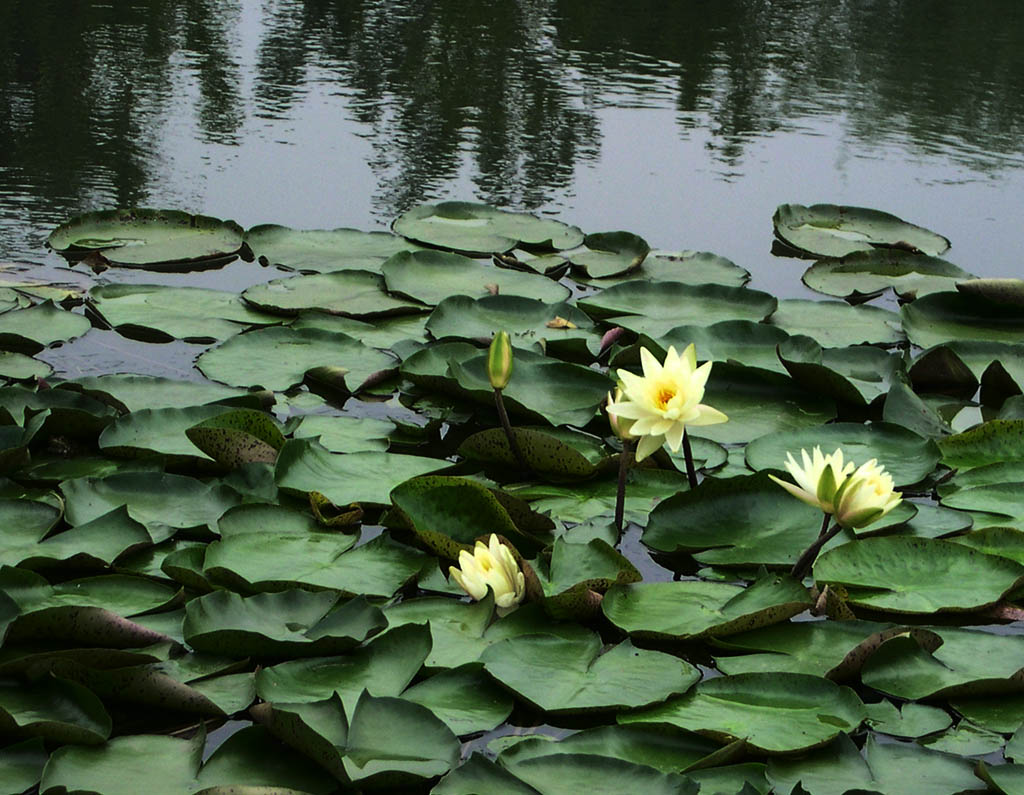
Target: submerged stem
806,560
625,459
691,471
512,443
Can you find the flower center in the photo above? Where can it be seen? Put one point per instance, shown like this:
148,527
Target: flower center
665,394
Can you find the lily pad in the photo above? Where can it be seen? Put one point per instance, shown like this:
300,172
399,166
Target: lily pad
128,392
740,341
758,402
947,317
835,324
725,517
472,228
159,313
144,238
432,276
829,230
293,623
654,308
952,662
775,713
323,250
996,441
861,275
356,294
560,675
364,477
856,375
528,321
556,453
695,609
31,330
917,575
610,254
279,358
688,267
833,649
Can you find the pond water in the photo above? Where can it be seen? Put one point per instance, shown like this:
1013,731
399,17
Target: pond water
686,123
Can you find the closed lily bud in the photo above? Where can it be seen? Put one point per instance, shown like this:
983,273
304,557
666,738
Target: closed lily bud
620,426
499,360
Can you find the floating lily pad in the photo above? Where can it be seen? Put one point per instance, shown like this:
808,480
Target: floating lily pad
1008,292
465,698
906,456
136,392
856,375
559,392
560,675
323,250
383,332
30,330
432,276
610,254
953,662
364,477
654,308
835,324
346,434
144,238
758,402
689,267
256,563
156,432
528,321
833,649
472,228
725,517
279,358
775,713
21,367
829,230
160,313
557,453
291,623
740,341
696,609
917,575
865,274
996,441
912,720
356,294
948,317
886,768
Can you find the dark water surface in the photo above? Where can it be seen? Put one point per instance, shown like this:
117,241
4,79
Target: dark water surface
684,122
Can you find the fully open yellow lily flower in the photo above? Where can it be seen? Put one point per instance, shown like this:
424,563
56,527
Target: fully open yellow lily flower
493,566
866,496
818,480
664,400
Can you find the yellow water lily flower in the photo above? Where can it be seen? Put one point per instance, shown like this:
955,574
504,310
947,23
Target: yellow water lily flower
818,480
866,496
491,565
665,399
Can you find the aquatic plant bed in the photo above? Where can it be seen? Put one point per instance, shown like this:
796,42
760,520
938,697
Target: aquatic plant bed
236,578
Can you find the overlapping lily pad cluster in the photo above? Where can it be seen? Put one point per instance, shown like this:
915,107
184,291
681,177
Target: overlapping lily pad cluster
266,538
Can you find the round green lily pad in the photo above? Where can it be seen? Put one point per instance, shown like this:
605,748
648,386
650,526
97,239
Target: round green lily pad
866,274
472,228
323,250
829,230
144,238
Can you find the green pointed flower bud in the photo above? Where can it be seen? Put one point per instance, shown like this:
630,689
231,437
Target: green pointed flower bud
499,360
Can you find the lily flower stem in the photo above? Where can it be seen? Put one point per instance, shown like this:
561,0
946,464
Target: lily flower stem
691,471
512,443
806,560
625,459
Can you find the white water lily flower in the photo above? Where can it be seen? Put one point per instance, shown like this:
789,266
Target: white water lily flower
493,566
818,480
866,496
664,400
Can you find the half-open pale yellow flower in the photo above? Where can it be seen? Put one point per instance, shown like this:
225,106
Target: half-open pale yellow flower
491,565
818,480
866,496
664,400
